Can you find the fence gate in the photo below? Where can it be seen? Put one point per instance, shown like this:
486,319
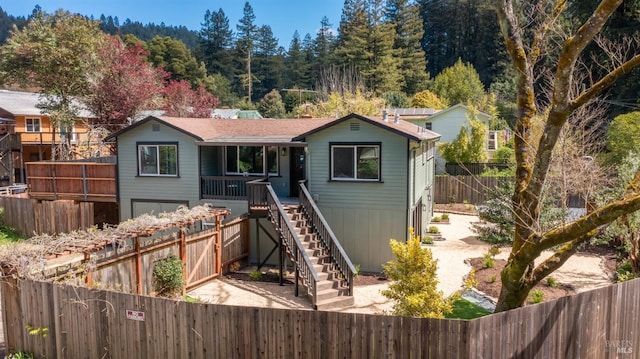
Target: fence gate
203,257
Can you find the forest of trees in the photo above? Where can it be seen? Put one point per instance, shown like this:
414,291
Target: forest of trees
395,48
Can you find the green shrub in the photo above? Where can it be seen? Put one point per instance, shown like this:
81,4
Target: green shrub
433,229
537,296
168,276
445,216
492,279
494,251
624,272
255,275
19,355
414,286
436,219
488,261
551,282
426,239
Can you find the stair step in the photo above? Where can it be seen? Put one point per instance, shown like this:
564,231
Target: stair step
335,303
331,293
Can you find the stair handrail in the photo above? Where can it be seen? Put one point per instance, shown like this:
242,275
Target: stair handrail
9,141
288,234
328,239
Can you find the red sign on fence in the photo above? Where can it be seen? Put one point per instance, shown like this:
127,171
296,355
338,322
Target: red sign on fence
134,315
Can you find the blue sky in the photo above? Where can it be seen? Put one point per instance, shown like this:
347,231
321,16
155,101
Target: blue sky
284,16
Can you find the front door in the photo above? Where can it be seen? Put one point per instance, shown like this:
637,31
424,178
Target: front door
297,172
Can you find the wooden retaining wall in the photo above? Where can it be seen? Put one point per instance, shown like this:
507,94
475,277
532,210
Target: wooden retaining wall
29,216
80,322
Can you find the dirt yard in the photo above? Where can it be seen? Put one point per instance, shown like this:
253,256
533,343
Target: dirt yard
584,271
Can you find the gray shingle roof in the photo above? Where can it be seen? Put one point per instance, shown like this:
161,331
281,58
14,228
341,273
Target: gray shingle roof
25,103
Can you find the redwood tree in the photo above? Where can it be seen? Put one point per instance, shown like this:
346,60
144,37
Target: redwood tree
530,46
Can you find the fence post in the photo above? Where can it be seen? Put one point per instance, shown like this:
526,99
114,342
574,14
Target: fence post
183,258
218,239
138,266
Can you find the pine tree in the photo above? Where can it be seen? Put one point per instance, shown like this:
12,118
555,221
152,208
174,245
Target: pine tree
384,74
353,36
247,32
405,16
215,40
268,62
323,46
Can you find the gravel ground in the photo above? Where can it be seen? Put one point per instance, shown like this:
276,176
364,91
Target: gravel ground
584,272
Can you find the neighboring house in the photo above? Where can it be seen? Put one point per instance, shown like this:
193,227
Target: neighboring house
448,123
371,178
235,113
35,129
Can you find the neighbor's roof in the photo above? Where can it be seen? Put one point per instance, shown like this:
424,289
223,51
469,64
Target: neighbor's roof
25,103
458,106
270,131
411,112
402,128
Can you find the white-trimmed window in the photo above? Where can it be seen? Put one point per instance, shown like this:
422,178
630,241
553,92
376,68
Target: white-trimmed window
67,132
158,160
359,162
33,125
250,160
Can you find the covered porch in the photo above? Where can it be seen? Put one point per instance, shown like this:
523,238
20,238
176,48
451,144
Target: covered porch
226,167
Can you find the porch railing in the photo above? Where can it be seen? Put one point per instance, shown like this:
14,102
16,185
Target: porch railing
10,142
224,187
262,194
328,239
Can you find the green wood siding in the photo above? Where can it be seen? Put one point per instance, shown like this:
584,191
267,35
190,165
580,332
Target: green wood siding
185,187
363,215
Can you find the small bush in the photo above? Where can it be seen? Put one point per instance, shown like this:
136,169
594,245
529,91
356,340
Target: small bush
488,261
492,279
168,276
537,296
433,229
494,251
452,198
465,202
19,355
625,273
445,216
436,219
427,239
255,275
551,282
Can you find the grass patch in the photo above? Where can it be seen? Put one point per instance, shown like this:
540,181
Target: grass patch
464,309
8,234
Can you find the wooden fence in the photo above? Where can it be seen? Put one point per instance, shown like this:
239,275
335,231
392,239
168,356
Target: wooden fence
29,216
472,189
204,248
81,181
84,323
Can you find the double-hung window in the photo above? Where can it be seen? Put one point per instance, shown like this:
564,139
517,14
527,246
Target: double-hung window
33,125
355,162
158,160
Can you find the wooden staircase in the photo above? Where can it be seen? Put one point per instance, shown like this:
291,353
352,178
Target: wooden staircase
320,262
331,290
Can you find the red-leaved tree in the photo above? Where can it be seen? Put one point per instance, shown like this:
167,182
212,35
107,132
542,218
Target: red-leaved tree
124,86
180,100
